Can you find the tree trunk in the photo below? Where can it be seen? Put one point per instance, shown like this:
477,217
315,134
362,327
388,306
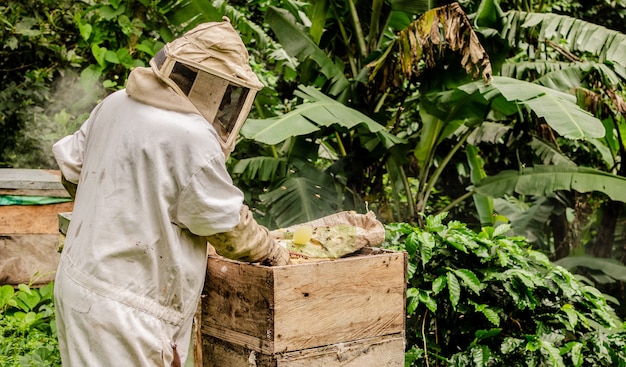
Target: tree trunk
603,244
560,235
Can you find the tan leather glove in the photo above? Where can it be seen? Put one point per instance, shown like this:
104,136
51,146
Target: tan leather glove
249,241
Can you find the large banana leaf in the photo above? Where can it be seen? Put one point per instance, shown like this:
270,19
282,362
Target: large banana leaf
549,154
299,44
260,168
578,35
611,267
307,117
543,180
300,199
528,221
558,109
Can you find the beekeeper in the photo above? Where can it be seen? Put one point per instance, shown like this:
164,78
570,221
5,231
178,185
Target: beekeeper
152,189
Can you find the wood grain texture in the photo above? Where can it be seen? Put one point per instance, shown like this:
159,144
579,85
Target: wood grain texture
282,309
337,301
379,351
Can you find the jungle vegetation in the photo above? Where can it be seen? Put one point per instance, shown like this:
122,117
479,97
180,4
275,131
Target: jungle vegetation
503,115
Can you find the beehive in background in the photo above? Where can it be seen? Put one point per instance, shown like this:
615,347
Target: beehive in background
30,201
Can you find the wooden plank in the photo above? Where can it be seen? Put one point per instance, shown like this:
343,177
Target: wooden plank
252,342
379,351
31,219
24,255
238,297
337,301
219,353
61,193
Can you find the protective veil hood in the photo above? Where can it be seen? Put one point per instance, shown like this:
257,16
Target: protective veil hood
209,66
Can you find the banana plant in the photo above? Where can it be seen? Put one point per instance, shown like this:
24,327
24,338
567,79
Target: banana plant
558,43
304,192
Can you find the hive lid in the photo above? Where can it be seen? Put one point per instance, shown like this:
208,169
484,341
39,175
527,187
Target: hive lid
31,182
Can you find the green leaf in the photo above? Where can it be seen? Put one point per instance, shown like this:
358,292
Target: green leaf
454,289
611,267
469,279
439,284
510,344
6,294
84,28
480,355
111,56
260,168
427,300
579,35
500,230
99,53
426,242
299,200
434,223
456,242
109,13
28,301
553,353
558,109
572,315
428,137
24,289
298,43
484,334
24,28
549,154
577,355
412,244
491,315
544,180
503,257
306,119
412,296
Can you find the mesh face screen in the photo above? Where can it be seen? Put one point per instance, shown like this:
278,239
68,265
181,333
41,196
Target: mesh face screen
230,108
183,76
160,58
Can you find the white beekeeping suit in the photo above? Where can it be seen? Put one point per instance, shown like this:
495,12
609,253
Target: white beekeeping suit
152,189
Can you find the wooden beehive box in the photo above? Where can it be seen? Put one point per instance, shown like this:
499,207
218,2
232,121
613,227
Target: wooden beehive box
29,234
344,312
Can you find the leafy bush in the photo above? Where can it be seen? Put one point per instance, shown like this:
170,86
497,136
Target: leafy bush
59,58
485,299
27,327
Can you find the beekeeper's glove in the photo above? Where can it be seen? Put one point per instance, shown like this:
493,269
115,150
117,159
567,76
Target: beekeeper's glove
249,241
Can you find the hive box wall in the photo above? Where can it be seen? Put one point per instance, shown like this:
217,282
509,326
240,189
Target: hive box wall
277,310
29,234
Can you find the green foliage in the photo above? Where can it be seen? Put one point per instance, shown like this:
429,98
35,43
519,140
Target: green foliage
59,58
27,328
37,44
486,299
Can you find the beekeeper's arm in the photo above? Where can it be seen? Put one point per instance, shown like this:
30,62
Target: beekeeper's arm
211,206
249,241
